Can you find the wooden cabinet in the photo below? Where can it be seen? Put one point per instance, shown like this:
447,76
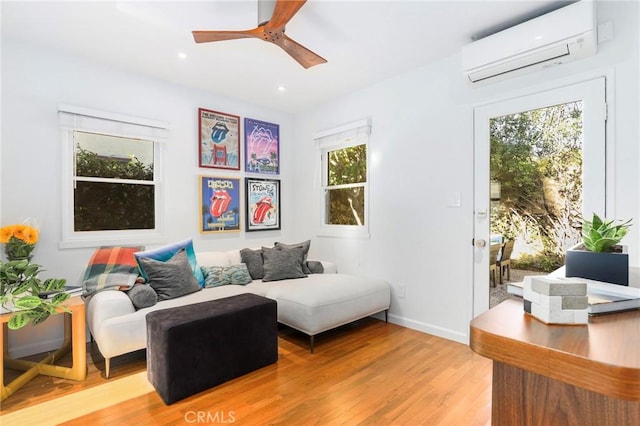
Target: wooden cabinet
561,374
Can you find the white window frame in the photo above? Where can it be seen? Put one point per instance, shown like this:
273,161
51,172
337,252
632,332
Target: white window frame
352,134
73,118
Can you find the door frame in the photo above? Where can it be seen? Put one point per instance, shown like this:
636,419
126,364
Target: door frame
593,93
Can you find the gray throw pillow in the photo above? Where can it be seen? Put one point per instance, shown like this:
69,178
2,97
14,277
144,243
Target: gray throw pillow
305,245
142,296
254,262
315,267
282,264
171,279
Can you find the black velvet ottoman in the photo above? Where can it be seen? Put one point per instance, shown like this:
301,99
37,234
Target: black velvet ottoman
195,347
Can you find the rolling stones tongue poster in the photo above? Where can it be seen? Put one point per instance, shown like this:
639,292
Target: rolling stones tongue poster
219,140
220,204
263,204
262,147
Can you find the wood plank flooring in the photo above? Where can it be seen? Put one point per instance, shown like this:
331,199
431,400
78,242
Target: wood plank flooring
369,373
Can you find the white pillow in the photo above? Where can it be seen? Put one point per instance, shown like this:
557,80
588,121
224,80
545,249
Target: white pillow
234,257
213,258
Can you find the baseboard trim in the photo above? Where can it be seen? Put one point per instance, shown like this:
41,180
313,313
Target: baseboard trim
430,329
53,344
35,348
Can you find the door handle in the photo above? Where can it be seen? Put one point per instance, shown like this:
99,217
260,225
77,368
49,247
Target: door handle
480,243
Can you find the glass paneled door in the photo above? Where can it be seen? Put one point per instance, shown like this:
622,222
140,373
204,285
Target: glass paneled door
553,142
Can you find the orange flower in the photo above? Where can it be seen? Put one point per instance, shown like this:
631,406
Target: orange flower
6,233
19,231
30,235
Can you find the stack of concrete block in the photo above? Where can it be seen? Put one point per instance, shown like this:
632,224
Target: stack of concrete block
556,300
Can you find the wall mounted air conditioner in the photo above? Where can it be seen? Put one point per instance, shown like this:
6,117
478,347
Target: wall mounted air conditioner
558,37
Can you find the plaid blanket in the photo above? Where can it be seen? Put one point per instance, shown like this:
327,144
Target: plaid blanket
110,268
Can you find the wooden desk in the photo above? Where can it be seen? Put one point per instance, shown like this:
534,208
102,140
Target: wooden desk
561,374
74,336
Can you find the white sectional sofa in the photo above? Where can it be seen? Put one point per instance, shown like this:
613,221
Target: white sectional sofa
311,305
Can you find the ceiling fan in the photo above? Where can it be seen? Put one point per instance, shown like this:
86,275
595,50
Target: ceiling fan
272,18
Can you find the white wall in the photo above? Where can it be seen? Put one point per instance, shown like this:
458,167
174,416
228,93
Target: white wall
422,149
34,83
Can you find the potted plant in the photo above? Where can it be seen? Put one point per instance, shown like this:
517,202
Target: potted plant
20,287
600,256
20,290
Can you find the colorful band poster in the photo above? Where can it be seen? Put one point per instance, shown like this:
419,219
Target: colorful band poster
262,147
219,204
219,146
263,204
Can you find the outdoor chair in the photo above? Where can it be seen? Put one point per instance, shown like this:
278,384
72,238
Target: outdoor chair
504,261
494,250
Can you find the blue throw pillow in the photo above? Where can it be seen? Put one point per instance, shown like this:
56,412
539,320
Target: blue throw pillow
167,252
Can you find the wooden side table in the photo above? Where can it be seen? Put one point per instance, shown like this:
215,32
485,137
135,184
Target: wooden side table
561,374
74,337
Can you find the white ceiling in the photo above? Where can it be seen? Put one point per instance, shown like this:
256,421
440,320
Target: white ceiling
363,41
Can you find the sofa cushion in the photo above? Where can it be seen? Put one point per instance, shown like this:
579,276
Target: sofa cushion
305,245
142,296
166,252
282,263
118,328
170,279
321,302
253,260
215,276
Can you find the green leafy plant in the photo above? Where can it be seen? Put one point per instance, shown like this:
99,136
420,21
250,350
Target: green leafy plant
19,292
600,235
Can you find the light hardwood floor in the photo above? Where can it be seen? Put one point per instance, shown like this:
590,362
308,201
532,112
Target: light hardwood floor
369,373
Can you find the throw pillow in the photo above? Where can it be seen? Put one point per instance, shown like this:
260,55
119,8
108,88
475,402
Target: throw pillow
142,296
282,264
170,279
215,276
315,267
165,253
305,245
253,260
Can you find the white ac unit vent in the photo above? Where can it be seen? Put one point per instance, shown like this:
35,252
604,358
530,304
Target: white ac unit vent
558,37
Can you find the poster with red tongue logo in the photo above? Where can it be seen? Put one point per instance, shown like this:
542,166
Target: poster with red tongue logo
263,204
220,204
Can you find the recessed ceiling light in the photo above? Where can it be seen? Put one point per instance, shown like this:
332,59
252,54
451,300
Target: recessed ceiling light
281,88
182,55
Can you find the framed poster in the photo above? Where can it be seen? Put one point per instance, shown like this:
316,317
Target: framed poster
219,204
261,147
263,204
219,140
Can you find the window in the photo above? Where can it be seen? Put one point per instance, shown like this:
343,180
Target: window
344,155
113,176
112,191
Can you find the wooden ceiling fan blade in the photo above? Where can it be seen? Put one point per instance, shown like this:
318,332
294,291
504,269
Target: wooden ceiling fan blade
283,12
208,36
304,56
